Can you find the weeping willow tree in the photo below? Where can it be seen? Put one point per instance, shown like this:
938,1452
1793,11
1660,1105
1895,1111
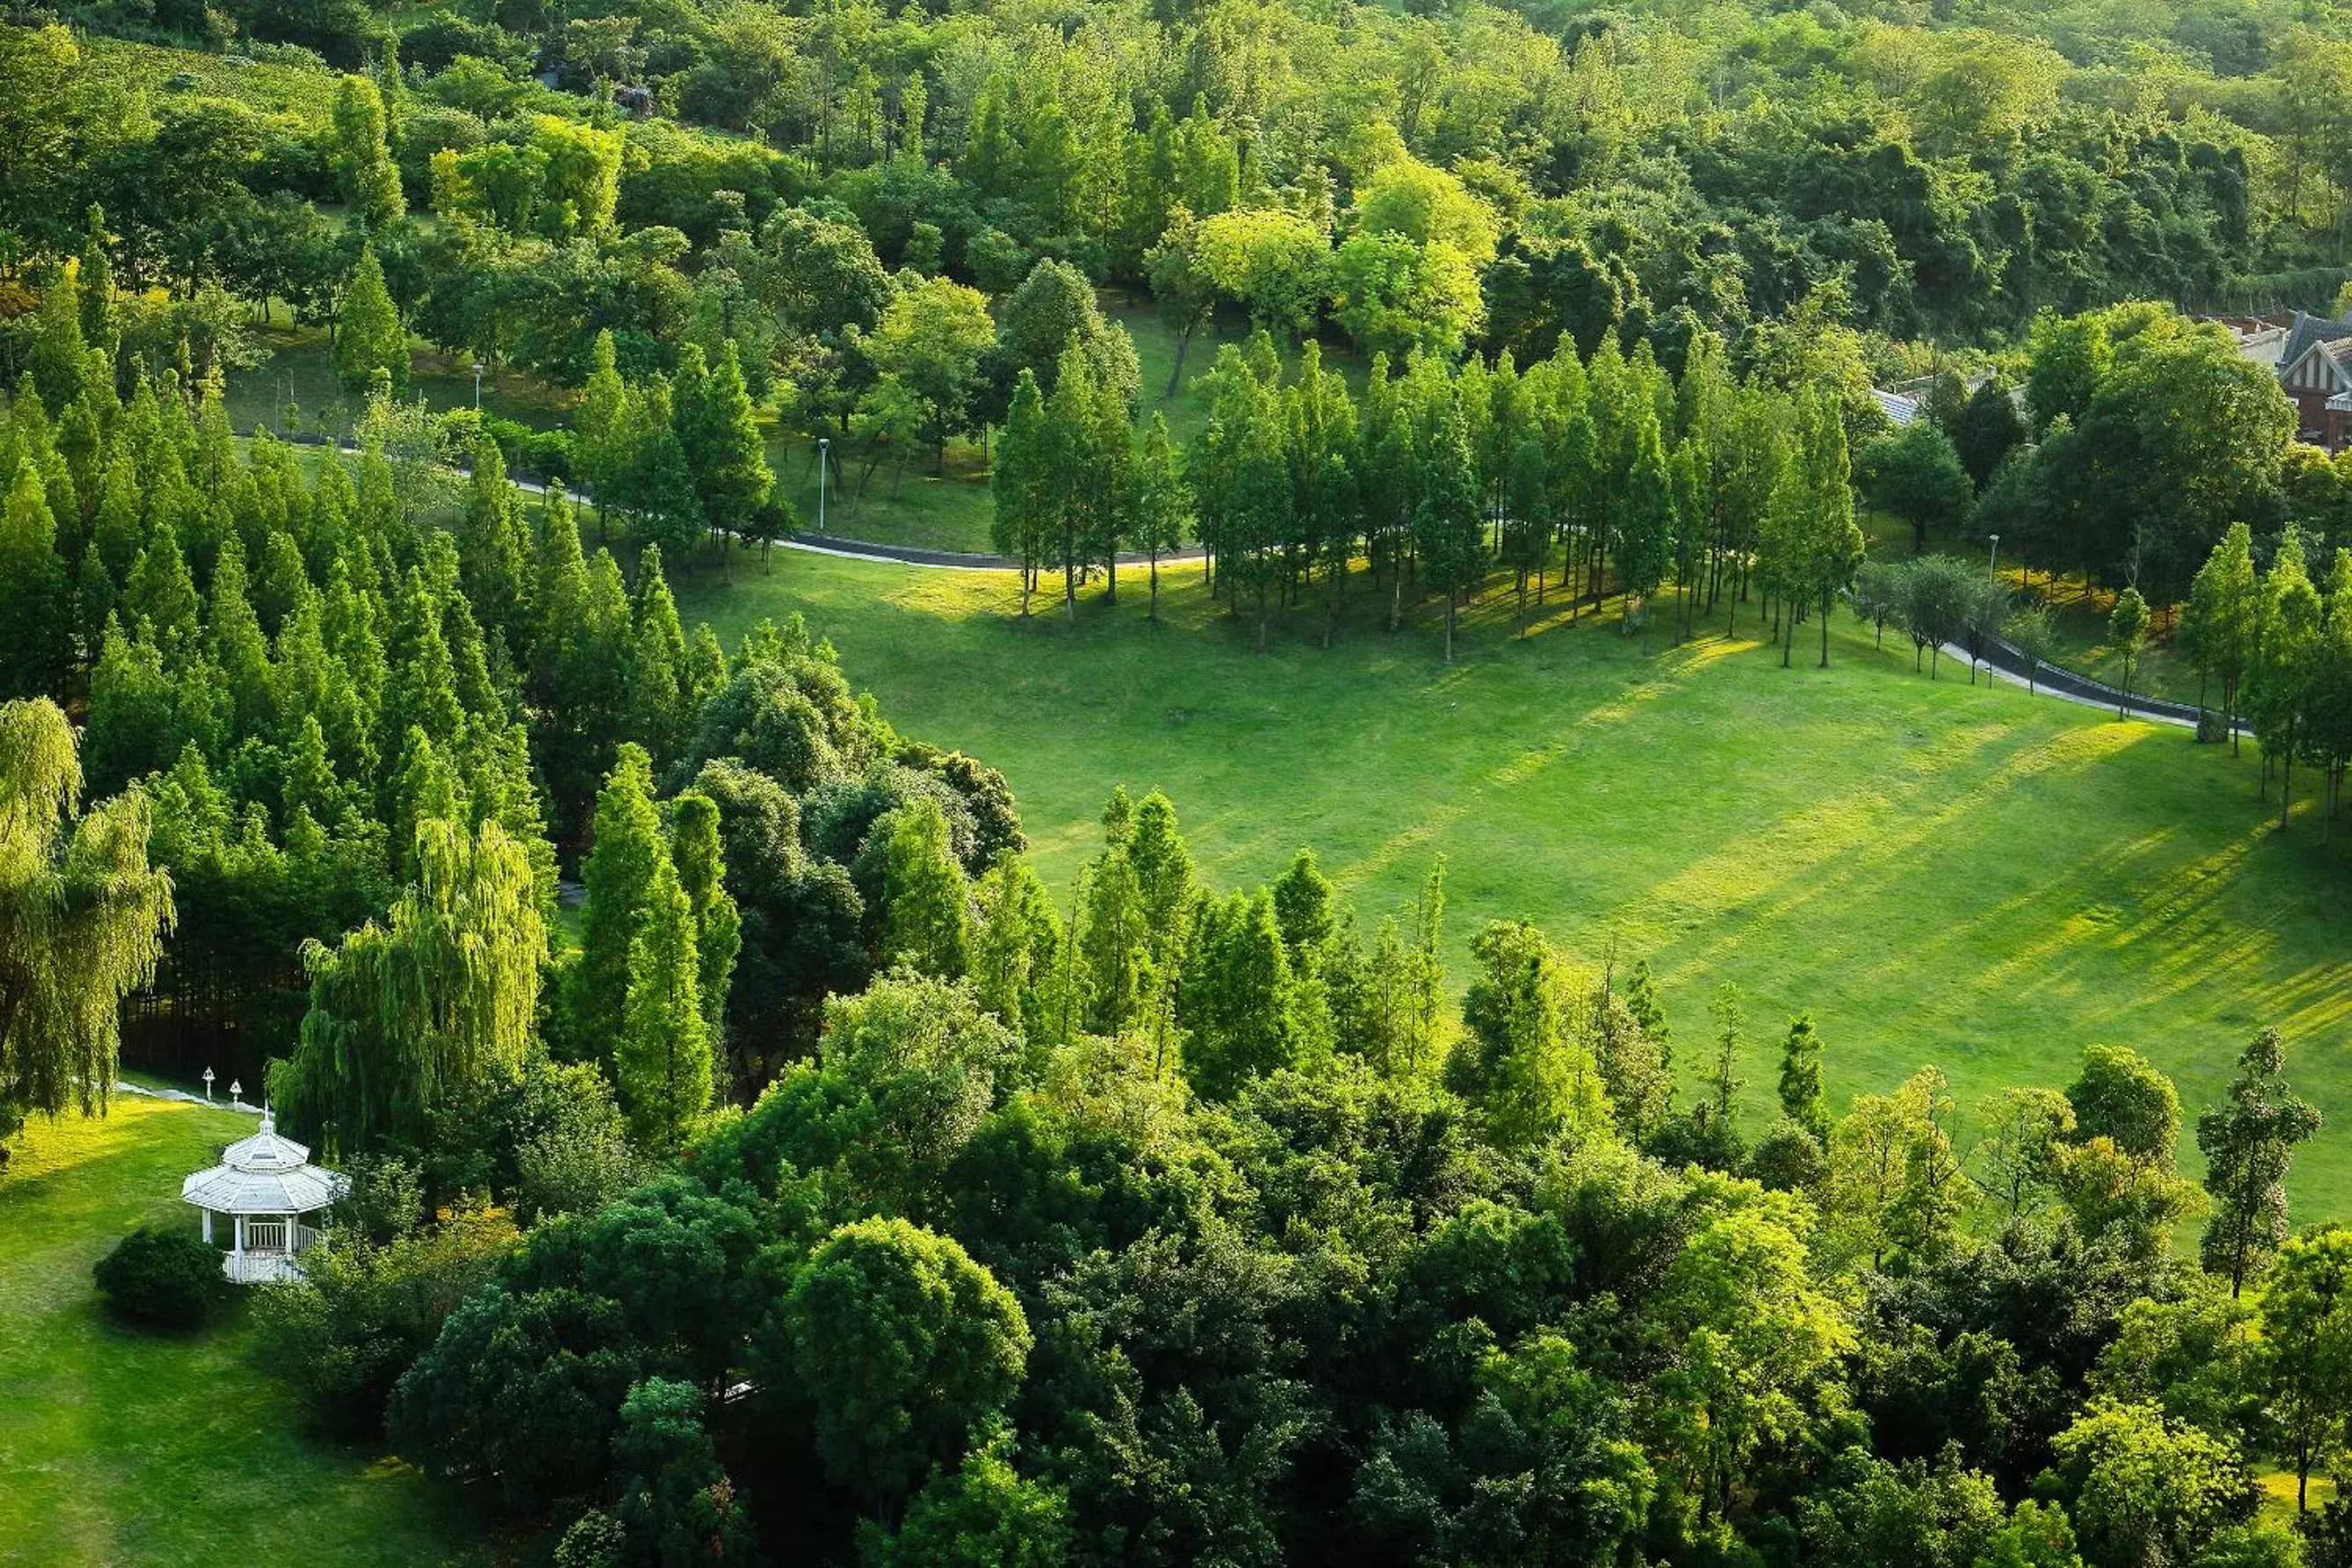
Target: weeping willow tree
408,1015
82,919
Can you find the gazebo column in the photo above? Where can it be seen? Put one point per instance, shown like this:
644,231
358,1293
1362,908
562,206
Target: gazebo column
208,1226
239,1249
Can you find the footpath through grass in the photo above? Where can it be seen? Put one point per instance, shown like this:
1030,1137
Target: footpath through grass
121,1445
1968,876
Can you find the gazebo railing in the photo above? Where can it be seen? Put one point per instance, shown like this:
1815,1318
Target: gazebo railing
266,1234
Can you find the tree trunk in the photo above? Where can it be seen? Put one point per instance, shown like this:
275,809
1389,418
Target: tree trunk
1155,586
1183,347
1449,628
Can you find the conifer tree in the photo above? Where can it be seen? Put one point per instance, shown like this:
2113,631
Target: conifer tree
619,876
365,172
1162,502
1730,1016
1516,1062
2127,635
602,423
160,592
717,923
1238,998
1802,1100
1448,533
1646,526
1110,481
1692,472
494,546
1114,945
36,614
657,713
1022,486
1834,542
1070,447
61,359
425,788
99,330
1016,942
1527,515
925,921
2219,624
724,449
369,334
662,1062
706,670
1304,902
233,636
658,480
2286,640
421,680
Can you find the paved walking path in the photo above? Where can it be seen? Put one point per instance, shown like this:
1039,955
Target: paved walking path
182,1096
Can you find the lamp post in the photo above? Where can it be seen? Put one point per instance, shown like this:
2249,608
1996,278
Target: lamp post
477,386
1992,561
208,1085
237,1093
823,446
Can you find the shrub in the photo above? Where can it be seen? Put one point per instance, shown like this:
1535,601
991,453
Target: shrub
344,1333
166,1277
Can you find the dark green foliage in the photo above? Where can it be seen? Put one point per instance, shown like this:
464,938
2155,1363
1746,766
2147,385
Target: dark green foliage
1916,474
2120,1096
676,1504
903,1347
164,1277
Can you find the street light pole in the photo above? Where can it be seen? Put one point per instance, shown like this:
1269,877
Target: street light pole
823,446
1992,561
477,386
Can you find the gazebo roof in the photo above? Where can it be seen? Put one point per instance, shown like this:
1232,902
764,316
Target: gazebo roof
264,1174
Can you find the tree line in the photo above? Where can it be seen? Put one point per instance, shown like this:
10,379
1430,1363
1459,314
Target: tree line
1716,485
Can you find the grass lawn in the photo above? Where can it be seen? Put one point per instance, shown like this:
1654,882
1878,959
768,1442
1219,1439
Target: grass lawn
121,1446
1968,876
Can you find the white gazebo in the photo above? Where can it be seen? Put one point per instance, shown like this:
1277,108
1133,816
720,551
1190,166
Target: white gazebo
266,1184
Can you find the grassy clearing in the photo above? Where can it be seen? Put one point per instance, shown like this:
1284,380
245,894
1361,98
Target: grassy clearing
120,1445
303,92
1968,876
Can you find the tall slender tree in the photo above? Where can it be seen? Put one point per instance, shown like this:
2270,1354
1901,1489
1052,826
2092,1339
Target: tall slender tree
2249,1142
1448,532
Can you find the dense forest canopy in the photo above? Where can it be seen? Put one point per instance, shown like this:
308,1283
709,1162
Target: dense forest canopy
1436,176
